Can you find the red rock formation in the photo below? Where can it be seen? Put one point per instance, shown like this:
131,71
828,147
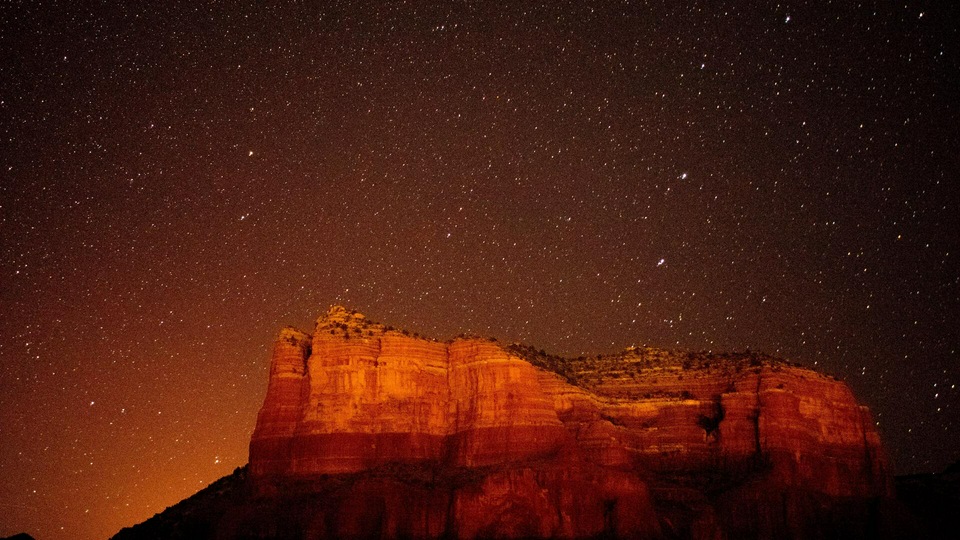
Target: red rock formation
402,436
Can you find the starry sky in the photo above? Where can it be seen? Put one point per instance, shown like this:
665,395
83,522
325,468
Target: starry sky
181,180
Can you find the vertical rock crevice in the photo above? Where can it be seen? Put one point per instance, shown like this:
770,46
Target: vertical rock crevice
755,417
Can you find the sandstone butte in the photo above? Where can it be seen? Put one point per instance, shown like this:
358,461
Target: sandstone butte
369,432
406,437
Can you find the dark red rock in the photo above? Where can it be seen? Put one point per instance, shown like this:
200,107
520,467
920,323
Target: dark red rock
648,443
367,432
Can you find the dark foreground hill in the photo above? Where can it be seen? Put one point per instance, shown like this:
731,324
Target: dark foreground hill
927,506
932,502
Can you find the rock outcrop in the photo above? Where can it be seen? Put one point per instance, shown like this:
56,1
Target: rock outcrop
369,432
471,439
355,396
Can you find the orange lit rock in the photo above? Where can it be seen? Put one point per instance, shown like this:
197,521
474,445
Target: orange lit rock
394,435
357,396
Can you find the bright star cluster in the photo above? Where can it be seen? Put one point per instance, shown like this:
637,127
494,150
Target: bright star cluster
182,179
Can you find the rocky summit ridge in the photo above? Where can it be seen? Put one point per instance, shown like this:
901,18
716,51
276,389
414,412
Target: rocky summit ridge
371,432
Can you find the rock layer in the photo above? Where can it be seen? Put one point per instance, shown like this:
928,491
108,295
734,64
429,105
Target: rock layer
403,436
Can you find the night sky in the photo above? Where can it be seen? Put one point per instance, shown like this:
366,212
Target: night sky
179,182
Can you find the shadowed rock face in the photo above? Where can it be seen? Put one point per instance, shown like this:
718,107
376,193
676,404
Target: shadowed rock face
402,436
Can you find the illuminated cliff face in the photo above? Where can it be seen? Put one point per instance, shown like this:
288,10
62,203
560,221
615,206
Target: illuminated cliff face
648,442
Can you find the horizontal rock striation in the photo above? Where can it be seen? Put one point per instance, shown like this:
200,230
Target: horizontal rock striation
393,435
